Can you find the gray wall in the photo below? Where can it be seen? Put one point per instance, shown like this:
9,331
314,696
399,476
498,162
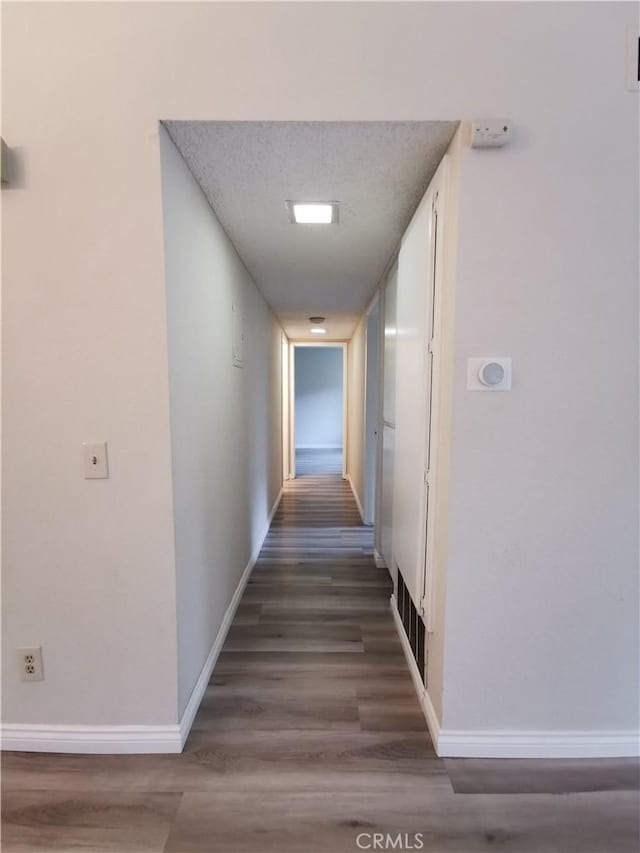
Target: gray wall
542,603
225,429
318,397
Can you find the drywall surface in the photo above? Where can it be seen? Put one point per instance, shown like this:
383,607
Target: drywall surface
318,393
224,433
356,370
542,581
542,596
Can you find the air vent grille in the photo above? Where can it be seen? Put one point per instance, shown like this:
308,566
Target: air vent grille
413,626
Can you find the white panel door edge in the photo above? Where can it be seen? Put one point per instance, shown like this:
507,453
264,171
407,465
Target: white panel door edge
418,319
433,353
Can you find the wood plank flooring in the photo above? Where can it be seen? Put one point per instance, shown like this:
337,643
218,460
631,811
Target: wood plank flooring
310,734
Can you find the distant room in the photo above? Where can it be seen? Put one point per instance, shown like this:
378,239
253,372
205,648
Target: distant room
319,410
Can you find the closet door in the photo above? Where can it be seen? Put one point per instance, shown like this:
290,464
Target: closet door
419,274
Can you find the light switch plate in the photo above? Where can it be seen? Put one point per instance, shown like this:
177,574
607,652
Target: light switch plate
96,464
473,373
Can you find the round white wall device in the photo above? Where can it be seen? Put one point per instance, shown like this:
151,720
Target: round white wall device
491,373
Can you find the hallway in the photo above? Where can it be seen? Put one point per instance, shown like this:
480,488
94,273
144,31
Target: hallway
310,734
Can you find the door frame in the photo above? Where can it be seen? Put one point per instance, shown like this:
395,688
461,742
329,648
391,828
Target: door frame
433,404
284,403
292,399
370,502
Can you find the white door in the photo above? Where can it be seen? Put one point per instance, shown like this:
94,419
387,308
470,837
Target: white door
419,280
432,381
371,417
388,418
286,424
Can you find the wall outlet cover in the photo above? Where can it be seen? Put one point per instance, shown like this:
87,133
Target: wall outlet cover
30,663
491,133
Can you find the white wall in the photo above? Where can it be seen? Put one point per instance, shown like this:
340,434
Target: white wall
318,393
225,427
544,480
542,613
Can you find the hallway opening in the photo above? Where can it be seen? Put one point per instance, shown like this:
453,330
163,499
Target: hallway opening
319,409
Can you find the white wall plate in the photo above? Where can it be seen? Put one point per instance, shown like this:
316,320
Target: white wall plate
491,133
94,457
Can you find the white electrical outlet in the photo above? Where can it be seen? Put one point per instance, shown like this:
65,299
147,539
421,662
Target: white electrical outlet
30,663
490,133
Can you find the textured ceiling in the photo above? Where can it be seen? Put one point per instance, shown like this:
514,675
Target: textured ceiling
378,171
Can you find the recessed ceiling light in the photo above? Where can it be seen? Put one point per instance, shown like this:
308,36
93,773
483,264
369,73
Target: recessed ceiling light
313,212
316,330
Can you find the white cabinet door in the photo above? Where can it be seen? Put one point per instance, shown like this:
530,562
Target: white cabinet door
414,386
386,511
390,335
388,417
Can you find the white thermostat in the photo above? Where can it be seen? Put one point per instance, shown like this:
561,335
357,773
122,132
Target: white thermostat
490,133
489,373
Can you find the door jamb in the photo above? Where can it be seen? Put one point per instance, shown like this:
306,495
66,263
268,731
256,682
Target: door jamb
292,399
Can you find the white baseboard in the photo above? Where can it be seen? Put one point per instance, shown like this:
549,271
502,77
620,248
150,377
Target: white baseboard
379,560
200,687
538,744
120,740
94,740
355,495
450,743
423,697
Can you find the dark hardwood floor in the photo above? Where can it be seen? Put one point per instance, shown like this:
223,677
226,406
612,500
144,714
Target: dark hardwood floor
310,736
317,462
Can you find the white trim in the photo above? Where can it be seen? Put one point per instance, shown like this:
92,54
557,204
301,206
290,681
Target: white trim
292,398
112,740
514,744
346,355
284,405
539,744
379,560
355,495
201,684
120,740
423,697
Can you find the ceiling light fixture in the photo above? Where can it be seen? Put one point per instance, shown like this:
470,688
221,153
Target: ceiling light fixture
316,330
313,212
